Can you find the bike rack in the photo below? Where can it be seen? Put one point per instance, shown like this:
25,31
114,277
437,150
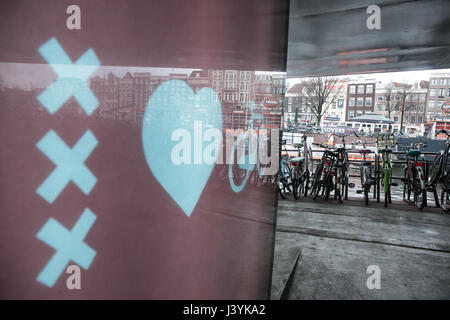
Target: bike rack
377,170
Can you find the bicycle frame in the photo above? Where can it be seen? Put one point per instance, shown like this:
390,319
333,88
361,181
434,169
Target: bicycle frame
285,176
413,166
324,171
387,171
414,175
301,169
442,170
342,165
441,177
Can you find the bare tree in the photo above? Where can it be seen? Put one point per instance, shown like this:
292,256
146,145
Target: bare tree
319,93
388,98
403,101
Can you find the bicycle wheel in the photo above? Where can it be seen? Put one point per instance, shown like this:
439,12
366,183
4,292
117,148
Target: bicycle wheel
316,192
306,183
420,192
445,201
406,186
319,186
328,186
316,179
297,185
420,196
283,179
435,170
366,195
386,186
365,182
340,185
280,186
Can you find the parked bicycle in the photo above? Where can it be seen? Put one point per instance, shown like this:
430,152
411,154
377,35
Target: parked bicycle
284,182
384,142
300,167
342,169
322,179
439,176
414,175
366,170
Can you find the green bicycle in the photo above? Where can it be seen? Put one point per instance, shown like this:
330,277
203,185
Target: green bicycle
386,171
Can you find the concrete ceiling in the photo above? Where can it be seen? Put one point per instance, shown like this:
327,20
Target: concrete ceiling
330,37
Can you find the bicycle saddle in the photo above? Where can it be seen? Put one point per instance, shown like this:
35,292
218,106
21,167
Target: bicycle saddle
414,153
385,150
298,145
341,150
362,151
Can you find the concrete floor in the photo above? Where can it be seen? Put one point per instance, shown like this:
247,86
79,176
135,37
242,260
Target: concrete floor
334,245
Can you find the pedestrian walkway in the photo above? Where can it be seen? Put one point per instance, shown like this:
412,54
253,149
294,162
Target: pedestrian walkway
323,249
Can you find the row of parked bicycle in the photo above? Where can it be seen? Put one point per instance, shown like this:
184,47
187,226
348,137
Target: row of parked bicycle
330,176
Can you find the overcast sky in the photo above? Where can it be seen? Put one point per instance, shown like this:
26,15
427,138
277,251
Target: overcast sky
404,76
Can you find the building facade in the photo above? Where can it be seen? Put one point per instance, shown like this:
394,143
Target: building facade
294,109
438,95
335,114
360,98
393,98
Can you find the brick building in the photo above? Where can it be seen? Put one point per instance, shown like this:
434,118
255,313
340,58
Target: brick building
360,97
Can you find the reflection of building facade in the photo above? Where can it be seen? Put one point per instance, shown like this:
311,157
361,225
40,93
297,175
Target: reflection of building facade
279,86
269,97
263,87
126,98
122,98
235,91
199,79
